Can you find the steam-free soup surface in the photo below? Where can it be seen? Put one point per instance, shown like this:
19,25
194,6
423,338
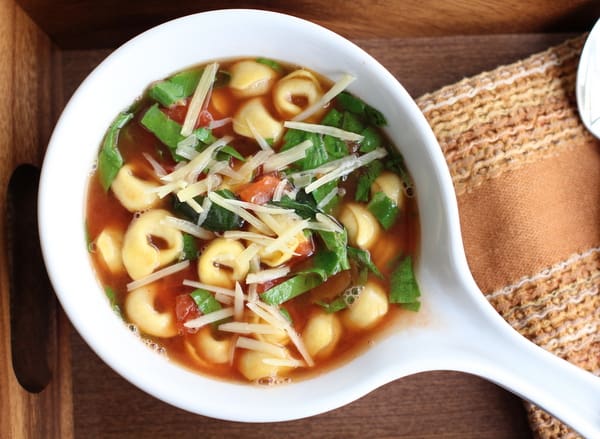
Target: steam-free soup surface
251,219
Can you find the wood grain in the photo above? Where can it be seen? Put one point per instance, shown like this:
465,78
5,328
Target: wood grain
27,113
428,405
107,23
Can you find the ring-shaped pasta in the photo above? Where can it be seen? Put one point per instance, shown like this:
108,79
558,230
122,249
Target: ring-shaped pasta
295,92
219,265
251,365
362,226
255,113
141,256
368,309
321,334
108,245
216,351
391,185
135,194
140,310
250,78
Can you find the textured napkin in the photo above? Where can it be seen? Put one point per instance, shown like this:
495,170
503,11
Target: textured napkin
527,177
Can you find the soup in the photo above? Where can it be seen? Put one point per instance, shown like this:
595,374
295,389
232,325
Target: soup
251,219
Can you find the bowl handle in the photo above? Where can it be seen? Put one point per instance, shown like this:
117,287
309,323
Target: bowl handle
497,352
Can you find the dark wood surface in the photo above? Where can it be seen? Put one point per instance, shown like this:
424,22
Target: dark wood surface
108,23
429,405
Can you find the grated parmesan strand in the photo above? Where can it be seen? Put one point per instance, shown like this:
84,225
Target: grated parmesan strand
238,302
209,318
249,328
264,145
225,204
287,157
200,96
208,287
267,275
167,271
156,167
324,129
335,90
188,227
261,346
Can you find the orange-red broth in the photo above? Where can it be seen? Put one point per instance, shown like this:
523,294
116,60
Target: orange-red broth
104,210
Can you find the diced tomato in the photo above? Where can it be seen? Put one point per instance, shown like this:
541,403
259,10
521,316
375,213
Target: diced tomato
261,288
261,190
178,113
185,310
303,251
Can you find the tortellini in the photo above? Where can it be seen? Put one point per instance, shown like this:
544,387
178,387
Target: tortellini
219,264
391,185
108,245
368,309
363,228
251,78
140,310
141,256
252,366
255,113
132,192
321,334
295,92
217,351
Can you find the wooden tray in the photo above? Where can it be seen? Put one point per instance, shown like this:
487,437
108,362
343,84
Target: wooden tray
71,392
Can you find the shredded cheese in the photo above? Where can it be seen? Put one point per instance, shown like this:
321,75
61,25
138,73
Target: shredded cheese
198,163
226,204
284,362
166,189
219,123
238,302
208,287
200,95
283,240
200,187
248,328
328,222
264,145
188,227
276,316
248,236
327,198
245,172
335,90
209,318
156,167
348,167
261,346
279,189
167,271
224,299
271,210
267,275
206,203
285,158
324,129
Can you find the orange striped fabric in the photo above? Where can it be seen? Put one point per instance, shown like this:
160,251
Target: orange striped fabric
527,177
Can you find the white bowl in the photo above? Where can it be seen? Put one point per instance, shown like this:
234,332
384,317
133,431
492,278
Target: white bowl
456,328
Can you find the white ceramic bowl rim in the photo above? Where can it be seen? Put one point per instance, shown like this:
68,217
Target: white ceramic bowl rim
122,78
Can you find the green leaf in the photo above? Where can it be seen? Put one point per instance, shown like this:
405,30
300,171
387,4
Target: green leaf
366,179
269,62
404,289
371,141
232,152
384,209
290,288
335,305
322,191
110,159
352,123
363,258
304,206
337,243
335,148
359,107
176,88
112,299
205,301
316,155
333,119
190,248
218,219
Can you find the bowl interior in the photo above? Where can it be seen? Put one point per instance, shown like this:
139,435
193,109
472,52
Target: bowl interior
116,83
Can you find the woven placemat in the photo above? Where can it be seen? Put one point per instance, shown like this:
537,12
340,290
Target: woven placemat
527,178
